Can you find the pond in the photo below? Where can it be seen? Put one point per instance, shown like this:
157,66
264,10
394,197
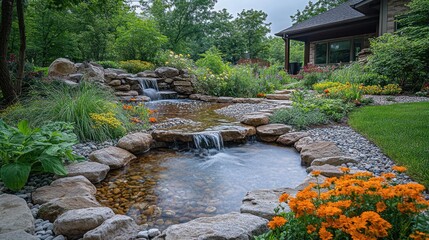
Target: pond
165,187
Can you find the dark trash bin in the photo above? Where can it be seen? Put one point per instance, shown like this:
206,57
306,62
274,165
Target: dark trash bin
294,68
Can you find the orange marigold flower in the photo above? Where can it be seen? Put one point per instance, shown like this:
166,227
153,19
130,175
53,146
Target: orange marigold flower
345,169
399,169
133,99
135,120
316,173
326,90
277,222
311,229
284,197
328,211
152,120
388,176
419,236
381,206
324,234
127,107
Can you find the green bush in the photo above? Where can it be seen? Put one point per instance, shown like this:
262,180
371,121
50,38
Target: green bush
109,64
23,150
136,66
299,118
171,59
212,59
356,73
89,107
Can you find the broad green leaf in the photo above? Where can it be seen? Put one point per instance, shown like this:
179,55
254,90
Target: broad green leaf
24,128
15,175
52,164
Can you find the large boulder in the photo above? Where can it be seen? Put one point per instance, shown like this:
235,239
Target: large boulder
64,187
93,171
54,208
61,68
271,132
232,226
136,142
18,235
93,73
167,72
75,223
262,203
334,161
118,227
15,214
114,157
317,150
255,119
290,139
171,136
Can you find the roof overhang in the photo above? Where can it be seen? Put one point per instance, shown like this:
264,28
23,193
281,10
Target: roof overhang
369,7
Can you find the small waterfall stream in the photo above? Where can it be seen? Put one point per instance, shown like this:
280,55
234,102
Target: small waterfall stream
150,88
208,140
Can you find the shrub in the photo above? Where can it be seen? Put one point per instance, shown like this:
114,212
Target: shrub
354,206
171,59
299,118
312,74
109,64
357,74
373,90
347,92
212,59
136,66
391,89
82,106
23,149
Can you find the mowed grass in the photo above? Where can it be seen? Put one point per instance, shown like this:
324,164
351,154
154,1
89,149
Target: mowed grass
401,131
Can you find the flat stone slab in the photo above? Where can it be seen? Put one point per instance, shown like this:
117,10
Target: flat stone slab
285,91
18,235
290,139
232,226
303,142
64,187
128,93
95,172
271,132
225,99
317,150
54,208
114,157
234,133
75,223
171,136
310,179
255,119
136,143
262,203
334,161
278,96
329,170
15,215
116,228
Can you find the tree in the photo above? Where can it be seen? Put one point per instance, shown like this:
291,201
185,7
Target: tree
251,23
313,9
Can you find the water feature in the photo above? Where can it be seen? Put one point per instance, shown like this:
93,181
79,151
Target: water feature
208,140
165,187
150,88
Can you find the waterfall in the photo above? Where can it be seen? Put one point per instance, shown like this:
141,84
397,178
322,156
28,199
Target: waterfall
150,88
208,140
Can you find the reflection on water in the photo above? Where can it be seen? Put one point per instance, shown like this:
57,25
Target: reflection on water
165,187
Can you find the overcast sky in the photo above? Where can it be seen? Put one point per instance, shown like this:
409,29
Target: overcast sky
279,11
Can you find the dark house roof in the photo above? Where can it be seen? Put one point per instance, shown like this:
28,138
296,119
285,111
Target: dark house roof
342,14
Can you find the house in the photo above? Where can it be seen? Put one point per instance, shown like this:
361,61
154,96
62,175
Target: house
337,35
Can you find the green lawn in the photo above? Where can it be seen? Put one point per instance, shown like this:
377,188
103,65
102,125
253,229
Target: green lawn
401,131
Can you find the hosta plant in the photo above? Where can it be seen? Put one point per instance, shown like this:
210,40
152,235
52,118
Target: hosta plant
355,206
24,150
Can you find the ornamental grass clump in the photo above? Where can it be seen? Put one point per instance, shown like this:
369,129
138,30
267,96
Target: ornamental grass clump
355,206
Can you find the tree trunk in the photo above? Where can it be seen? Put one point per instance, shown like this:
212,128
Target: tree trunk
6,85
22,47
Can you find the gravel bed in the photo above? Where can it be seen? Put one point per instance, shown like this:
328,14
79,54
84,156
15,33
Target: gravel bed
174,122
388,100
369,156
84,149
238,110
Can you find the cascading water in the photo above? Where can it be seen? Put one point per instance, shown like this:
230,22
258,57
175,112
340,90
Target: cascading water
208,140
150,88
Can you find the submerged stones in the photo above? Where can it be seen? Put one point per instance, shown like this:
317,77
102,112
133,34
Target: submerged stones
15,215
114,157
228,226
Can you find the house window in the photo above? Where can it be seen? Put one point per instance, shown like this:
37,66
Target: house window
321,53
339,52
357,47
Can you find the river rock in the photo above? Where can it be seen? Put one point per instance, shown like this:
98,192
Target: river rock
119,227
255,119
225,99
303,142
317,150
334,161
64,187
15,215
226,227
270,132
115,83
75,223
114,157
95,172
136,142
61,67
18,235
262,203
93,73
171,136
329,170
290,139
54,208
167,72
